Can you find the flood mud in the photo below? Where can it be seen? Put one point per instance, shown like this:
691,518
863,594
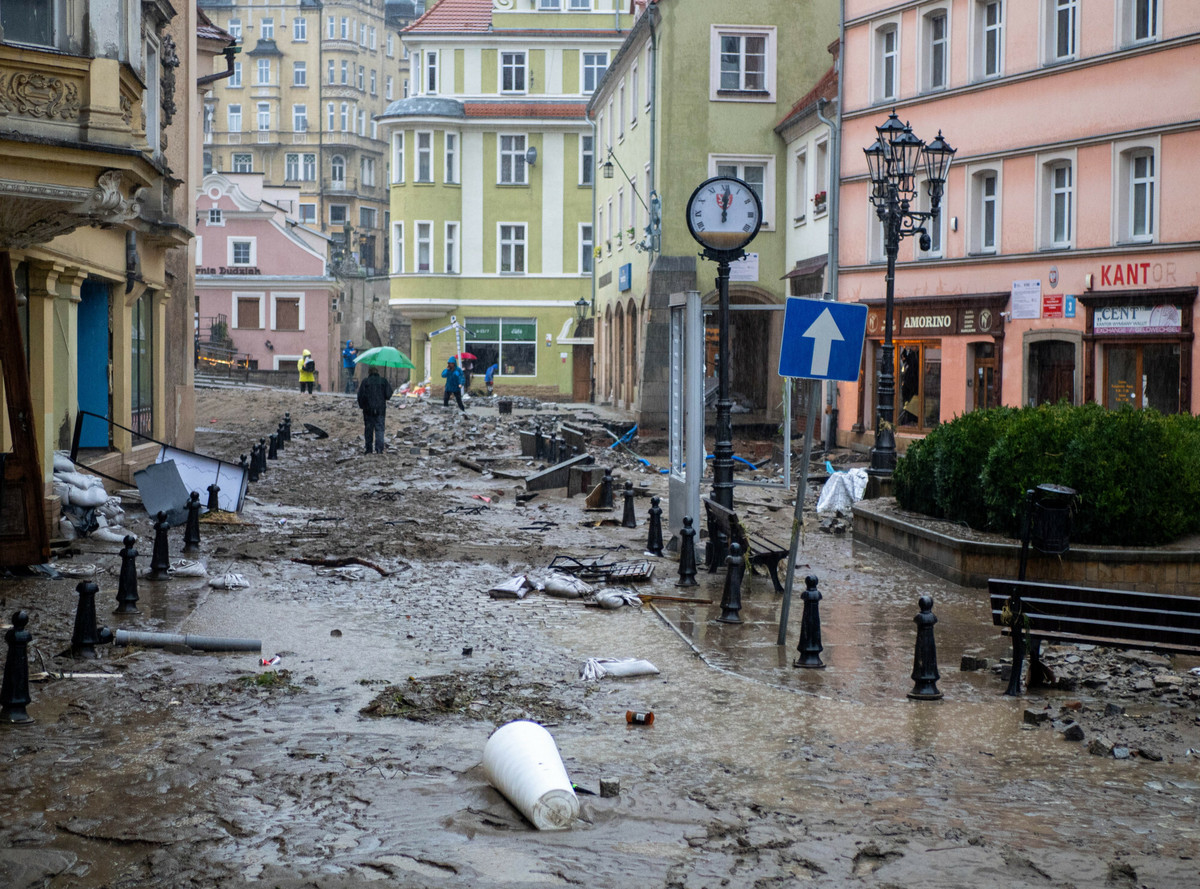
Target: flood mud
355,758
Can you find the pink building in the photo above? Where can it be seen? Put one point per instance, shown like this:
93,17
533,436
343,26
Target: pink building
1066,258
263,291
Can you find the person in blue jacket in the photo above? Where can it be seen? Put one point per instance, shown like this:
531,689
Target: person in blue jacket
454,383
489,375
349,354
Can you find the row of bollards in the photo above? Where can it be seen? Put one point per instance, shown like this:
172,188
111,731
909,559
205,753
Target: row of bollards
265,449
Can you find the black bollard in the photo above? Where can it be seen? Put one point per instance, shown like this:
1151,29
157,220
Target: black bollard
127,594
273,447
925,669
606,491
243,464
160,560
213,503
810,627
279,437
687,554
253,467
552,448
287,426
14,691
191,530
731,596
654,541
539,443
628,519
86,635
262,456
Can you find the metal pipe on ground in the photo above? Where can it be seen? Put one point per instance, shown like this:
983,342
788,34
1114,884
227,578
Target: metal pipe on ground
200,643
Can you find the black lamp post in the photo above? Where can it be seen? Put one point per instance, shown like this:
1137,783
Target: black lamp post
893,161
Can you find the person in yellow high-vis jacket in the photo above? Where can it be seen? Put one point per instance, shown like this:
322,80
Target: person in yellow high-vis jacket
307,368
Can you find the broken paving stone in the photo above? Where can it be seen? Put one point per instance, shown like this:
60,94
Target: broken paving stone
1168,680
1074,732
1100,746
1143,685
1114,710
1150,753
972,662
1036,717
1121,753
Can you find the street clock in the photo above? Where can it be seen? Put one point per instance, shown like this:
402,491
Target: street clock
724,214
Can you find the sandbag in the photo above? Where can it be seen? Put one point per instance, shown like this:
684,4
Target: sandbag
841,491
62,463
88,498
598,667
566,586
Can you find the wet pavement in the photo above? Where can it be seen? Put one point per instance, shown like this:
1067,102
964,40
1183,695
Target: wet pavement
214,770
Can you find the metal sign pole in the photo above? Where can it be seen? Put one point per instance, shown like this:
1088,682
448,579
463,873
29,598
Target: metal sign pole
814,394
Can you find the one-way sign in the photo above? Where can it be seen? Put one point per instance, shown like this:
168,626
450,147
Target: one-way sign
822,340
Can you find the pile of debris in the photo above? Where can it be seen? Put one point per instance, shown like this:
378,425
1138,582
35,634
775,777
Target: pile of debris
87,508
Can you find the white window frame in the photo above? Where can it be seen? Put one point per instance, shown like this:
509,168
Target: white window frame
262,72
981,205
398,158
423,240
398,248
366,168
331,28
299,29
517,155
233,118
256,295
262,117
308,167
800,208
424,154
513,243
580,6
1125,155
587,248
935,228
242,154
450,248
935,51
987,34
335,162
1135,15
235,29
885,61
633,95
291,166
331,120
391,45
521,69
767,161
587,160
345,214
299,118
1047,216
267,29
550,5
450,157
1054,12
374,81
587,68
299,73
216,216
235,79
388,87
621,111
620,218
649,79
715,93
275,297
252,241
360,80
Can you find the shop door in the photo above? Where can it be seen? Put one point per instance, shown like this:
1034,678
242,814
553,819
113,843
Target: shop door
1142,376
1052,372
581,378
93,351
983,378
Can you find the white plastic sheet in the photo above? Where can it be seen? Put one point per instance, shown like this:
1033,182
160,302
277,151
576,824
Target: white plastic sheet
841,491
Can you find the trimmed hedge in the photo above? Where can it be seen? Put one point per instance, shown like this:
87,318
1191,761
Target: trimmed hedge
1137,473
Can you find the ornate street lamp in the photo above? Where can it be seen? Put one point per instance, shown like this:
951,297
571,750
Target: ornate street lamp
581,308
893,160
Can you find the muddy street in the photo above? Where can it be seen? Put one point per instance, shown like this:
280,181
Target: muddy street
357,757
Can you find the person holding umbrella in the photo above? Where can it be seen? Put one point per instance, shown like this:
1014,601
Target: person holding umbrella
468,369
375,390
454,383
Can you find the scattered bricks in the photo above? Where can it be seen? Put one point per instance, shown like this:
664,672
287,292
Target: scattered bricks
1114,710
1121,753
1150,754
1073,732
1072,705
1100,746
1036,717
970,663
1167,680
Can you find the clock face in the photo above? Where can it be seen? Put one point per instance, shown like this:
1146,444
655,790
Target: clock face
724,213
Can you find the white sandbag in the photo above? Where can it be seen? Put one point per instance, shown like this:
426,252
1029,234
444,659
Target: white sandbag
614,597
595,668
66,529
514,588
79,480
62,491
522,761
111,534
88,498
187,568
111,510
62,463
229,582
566,586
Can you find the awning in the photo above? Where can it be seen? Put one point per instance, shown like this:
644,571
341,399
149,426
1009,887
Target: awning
805,267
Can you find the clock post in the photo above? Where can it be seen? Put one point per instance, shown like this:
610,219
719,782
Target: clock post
723,215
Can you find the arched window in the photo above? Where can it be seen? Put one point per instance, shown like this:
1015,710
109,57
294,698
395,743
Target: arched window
337,171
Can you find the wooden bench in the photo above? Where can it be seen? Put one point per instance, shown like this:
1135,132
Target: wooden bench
724,528
1114,618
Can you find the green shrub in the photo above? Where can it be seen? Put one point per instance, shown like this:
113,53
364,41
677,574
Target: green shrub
1137,473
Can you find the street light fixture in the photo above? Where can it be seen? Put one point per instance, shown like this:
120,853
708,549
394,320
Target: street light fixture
893,160
581,308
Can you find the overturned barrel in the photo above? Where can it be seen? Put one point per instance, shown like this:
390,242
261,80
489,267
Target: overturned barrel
522,761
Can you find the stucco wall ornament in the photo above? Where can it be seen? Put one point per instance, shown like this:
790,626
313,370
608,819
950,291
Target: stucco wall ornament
36,95
170,61
107,206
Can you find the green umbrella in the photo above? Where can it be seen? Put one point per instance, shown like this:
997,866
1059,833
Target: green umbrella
385,356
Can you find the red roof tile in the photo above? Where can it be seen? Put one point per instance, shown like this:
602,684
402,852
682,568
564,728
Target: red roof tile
826,88
558,110
455,15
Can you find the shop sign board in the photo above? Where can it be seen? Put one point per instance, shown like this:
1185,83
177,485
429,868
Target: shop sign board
1137,319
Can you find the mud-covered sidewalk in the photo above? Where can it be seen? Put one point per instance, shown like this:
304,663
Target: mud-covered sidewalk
356,758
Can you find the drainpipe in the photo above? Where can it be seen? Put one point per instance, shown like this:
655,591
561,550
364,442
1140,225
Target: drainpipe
229,51
652,12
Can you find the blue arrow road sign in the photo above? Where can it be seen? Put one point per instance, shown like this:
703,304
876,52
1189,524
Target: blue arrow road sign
822,340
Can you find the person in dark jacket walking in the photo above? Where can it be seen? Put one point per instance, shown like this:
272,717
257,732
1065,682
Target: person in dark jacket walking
373,394
454,383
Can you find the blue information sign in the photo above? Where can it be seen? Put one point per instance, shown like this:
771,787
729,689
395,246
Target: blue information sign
822,340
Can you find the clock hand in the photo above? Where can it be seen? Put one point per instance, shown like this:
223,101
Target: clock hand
725,204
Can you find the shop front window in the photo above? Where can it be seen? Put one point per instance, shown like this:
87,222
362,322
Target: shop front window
142,387
918,376
509,342
1142,376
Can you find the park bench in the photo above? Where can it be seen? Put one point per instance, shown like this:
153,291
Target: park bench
724,528
1113,618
